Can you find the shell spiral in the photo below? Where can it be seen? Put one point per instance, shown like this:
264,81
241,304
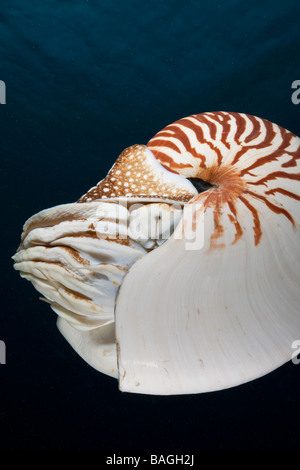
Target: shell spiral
227,312
165,312
250,161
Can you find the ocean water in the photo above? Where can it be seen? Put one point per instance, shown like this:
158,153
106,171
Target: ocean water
84,80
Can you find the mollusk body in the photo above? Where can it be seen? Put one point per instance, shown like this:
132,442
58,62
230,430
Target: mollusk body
179,272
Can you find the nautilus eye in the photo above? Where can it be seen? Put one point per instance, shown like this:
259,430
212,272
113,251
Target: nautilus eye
179,271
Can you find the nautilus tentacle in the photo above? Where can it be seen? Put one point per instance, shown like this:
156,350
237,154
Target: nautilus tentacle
179,272
76,255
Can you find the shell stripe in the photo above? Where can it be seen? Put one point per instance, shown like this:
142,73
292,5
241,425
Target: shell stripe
244,156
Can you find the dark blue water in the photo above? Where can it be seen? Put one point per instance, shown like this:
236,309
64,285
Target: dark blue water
86,79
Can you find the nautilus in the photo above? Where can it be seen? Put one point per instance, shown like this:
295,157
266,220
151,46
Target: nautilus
179,271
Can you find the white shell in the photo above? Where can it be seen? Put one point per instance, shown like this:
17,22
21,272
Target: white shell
208,299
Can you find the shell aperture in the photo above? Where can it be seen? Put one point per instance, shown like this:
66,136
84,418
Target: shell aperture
168,313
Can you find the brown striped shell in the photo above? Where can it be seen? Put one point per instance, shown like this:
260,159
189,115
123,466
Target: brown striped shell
246,158
163,316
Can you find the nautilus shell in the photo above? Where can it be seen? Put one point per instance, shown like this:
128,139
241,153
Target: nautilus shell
179,272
